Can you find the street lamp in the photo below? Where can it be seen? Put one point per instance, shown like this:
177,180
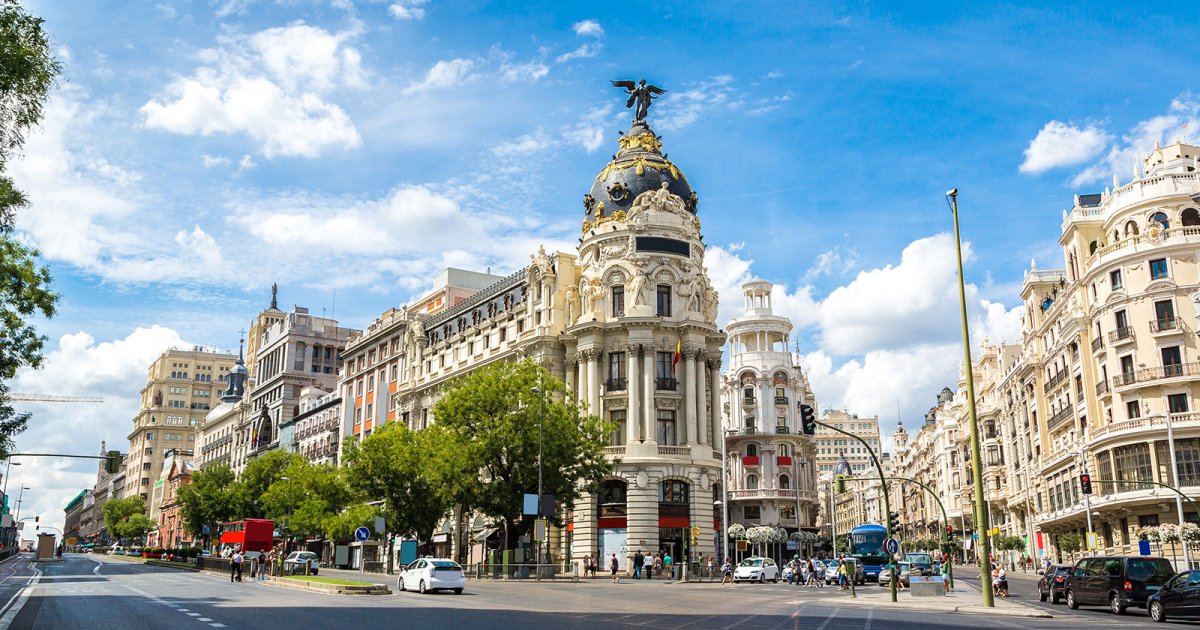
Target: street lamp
981,510
19,497
7,468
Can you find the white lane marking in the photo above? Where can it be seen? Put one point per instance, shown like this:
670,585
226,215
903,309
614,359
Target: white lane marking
14,608
203,619
217,625
191,614
829,618
867,625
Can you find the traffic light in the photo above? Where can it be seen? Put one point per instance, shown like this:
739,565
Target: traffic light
894,521
112,462
1085,483
808,420
839,484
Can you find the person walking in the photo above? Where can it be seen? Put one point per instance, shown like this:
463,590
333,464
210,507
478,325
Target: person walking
946,577
658,565
637,565
726,574
648,566
613,566
843,575
235,566
669,566
587,565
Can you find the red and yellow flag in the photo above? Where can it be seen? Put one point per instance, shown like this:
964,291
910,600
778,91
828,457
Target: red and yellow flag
678,352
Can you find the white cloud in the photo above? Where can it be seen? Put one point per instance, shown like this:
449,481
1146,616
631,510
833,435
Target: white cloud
1182,115
408,9
588,28
837,261
271,86
583,52
443,74
677,110
589,131
246,163
214,160
1061,144
728,271
524,145
114,370
530,71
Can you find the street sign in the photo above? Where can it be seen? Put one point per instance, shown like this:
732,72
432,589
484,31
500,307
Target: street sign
893,546
380,525
539,530
72,540
361,534
1144,547
1092,541
530,504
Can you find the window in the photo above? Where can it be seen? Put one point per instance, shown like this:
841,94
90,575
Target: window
752,482
1133,410
1187,460
1164,314
1115,278
784,450
784,482
664,300
673,491
150,435
1127,368
1172,363
618,301
618,435
1158,268
1161,218
752,512
751,450
664,363
666,427
1133,464
616,371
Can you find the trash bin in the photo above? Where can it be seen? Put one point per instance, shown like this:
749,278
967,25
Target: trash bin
927,586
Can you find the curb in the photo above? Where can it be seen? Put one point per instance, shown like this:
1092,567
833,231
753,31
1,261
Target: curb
332,589
182,566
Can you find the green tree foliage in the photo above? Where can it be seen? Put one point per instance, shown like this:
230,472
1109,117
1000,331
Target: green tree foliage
213,497
126,518
1070,542
259,474
393,464
341,526
307,497
492,416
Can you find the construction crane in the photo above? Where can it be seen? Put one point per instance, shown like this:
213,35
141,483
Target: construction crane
53,398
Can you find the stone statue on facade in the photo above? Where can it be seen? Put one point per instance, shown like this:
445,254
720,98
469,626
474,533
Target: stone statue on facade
572,302
710,304
637,287
542,261
661,200
687,290
594,294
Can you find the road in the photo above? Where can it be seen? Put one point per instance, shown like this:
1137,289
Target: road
96,592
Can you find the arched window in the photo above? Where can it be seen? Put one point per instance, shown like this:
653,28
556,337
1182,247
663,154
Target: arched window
1131,229
785,450
751,450
672,491
1190,216
1161,218
784,482
752,482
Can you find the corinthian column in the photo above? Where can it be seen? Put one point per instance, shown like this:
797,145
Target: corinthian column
701,410
595,381
648,395
632,389
689,395
714,370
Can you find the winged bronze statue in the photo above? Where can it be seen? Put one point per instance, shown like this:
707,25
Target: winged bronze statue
640,94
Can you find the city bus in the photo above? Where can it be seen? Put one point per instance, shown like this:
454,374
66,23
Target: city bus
252,534
866,544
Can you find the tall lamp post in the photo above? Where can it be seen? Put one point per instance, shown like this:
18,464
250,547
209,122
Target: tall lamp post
981,510
541,412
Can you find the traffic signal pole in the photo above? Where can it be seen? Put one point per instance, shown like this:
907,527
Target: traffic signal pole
941,506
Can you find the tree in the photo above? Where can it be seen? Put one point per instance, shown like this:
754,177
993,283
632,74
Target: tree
1069,542
259,474
494,414
308,496
391,464
341,526
213,497
126,518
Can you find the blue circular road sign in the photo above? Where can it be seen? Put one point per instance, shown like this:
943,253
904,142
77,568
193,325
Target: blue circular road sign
893,546
361,534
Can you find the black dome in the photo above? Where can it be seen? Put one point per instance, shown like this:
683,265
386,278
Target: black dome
639,166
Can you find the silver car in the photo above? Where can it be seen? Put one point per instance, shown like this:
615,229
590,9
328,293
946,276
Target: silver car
296,561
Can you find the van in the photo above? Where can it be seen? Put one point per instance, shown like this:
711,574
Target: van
1116,581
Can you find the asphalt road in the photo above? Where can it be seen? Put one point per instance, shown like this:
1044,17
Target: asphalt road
95,592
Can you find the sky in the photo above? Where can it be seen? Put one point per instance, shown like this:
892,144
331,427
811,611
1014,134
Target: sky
348,150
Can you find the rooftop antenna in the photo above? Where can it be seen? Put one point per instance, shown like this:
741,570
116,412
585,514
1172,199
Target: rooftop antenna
333,309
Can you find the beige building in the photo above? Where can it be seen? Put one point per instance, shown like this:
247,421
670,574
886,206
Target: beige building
181,387
833,448
771,464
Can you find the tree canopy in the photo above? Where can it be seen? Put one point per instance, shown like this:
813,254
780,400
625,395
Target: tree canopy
126,518
394,464
213,497
304,496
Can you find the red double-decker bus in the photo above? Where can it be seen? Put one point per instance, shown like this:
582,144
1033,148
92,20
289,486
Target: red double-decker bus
252,534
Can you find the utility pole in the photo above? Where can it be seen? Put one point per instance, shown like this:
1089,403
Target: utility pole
1187,562
1087,499
981,510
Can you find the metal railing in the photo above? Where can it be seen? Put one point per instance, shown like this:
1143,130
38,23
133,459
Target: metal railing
1058,418
1156,373
1055,381
1166,324
1097,343
1124,333
781,400
1102,388
569,571
668,384
615,384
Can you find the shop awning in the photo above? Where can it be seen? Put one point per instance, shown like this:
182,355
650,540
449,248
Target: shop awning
486,534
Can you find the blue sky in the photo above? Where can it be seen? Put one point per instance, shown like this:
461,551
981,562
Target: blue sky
198,151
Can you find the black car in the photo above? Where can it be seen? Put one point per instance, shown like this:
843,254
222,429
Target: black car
1053,582
1116,581
1179,598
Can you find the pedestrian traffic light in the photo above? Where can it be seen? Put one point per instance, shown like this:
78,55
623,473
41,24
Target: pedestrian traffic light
839,484
112,462
808,420
1085,483
894,521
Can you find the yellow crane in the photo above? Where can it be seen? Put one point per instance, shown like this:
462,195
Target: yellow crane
52,398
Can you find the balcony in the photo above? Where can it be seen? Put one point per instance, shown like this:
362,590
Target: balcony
783,460
750,461
1060,417
1102,388
762,493
1097,344
748,401
1055,381
1121,335
1166,326
674,450
781,400
615,385
1146,375
668,384
614,451
781,429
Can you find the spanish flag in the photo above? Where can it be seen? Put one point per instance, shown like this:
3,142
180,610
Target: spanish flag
678,352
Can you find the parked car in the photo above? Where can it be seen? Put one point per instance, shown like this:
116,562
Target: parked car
831,571
432,574
1118,581
296,560
922,561
756,570
1179,598
1053,583
904,571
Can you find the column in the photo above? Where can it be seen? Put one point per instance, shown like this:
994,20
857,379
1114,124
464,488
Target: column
701,410
582,385
569,378
714,371
595,383
689,395
642,521
648,397
633,408
589,378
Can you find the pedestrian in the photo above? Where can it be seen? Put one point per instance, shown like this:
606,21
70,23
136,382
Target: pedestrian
648,566
726,573
669,566
637,565
658,564
792,567
235,566
946,577
712,567
612,565
843,575
587,565
1003,582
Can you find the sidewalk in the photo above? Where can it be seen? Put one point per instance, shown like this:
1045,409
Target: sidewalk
960,600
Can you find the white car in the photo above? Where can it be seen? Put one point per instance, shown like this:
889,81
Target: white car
432,574
756,570
294,563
